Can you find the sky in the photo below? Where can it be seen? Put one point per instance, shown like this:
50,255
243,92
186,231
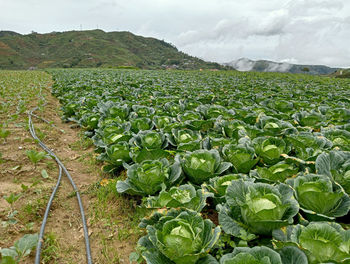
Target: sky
296,31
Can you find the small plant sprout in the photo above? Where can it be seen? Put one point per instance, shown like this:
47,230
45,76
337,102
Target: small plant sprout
11,199
35,157
4,134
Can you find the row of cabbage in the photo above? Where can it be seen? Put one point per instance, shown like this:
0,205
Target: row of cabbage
267,153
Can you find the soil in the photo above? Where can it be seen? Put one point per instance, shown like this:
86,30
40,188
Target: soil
64,219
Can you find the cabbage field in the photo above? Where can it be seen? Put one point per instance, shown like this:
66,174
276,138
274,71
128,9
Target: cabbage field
234,167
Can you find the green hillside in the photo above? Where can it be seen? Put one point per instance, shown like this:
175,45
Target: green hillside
92,48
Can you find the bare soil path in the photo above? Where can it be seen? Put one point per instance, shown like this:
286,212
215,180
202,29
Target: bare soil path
112,219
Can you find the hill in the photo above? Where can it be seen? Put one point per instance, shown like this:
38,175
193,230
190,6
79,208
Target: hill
92,48
244,64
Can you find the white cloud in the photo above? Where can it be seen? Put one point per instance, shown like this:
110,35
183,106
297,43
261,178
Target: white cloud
304,31
309,32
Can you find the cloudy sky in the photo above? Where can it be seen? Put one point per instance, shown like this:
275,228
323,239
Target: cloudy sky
298,31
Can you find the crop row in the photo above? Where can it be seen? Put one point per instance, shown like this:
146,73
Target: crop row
264,156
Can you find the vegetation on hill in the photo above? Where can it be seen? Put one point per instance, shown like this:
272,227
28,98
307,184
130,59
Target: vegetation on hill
92,48
342,73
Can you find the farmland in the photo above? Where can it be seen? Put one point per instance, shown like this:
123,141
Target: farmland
214,167
27,188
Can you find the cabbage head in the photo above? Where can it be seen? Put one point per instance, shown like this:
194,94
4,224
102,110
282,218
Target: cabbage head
180,237
185,139
114,110
90,121
141,123
189,115
115,156
241,155
161,122
147,177
184,196
257,208
219,184
270,149
141,111
201,165
111,134
150,140
231,128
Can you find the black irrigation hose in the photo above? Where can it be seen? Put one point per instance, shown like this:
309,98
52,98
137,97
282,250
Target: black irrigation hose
42,229
61,167
42,119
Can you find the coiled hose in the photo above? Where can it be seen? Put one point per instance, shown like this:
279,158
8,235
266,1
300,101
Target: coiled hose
61,168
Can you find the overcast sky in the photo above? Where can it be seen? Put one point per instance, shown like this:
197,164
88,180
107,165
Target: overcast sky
298,31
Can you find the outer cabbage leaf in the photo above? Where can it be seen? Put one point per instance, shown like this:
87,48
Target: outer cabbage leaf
292,255
217,142
140,155
189,115
339,137
218,185
308,146
319,197
310,119
255,255
339,115
336,165
200,125
323,242
276,173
